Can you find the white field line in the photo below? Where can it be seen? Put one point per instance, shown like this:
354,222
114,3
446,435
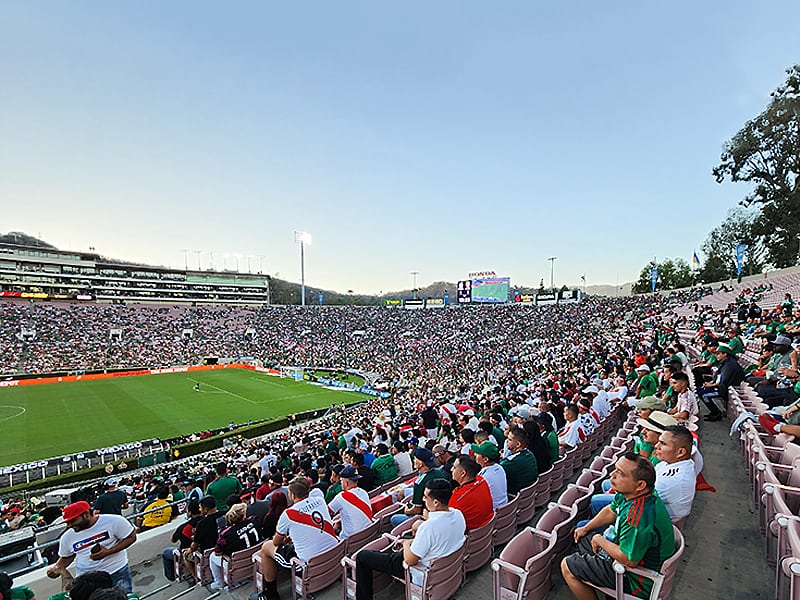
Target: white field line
224,391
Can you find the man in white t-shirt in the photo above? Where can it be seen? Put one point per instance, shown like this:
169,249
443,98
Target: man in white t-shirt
308,524
441,534
95,543
675,474
352,503
268,459
487,456
403,459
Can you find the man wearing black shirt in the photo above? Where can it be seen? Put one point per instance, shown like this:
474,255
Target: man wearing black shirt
183,537
112,501
206,532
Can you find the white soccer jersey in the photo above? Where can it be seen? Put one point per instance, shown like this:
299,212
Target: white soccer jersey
309,524
354,507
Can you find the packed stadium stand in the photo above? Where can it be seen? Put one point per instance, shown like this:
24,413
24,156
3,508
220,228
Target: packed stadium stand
506,362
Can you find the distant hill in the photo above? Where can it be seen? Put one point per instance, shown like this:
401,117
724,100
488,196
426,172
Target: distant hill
23,239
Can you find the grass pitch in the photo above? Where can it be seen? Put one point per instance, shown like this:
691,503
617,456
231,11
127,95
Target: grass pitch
43,421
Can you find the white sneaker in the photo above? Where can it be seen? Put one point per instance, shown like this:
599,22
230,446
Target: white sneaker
215,586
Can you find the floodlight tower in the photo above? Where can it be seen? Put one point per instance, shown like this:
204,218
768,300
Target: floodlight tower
302,238
552,260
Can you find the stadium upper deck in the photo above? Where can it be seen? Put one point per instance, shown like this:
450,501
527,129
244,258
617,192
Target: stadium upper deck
47,273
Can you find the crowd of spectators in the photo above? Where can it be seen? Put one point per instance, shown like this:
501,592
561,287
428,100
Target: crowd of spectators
476,392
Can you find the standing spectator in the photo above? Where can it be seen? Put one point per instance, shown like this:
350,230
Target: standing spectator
224,485
113,501
95,543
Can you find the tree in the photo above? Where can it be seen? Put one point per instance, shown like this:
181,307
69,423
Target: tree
672,274
720,246
766,154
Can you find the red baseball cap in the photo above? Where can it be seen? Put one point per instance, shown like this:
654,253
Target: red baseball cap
76,509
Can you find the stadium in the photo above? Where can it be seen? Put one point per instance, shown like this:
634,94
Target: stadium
216,382
163,388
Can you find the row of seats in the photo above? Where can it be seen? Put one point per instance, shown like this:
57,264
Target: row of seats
525,565
443,579
773,467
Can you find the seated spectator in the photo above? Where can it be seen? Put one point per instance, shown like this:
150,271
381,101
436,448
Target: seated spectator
573,432
426,466
652,428
445,455
366,480
685,401
520,466
182,536
675,471
471,495
352,503
279,503
400,454
729,373
241,533
487,455
545,422
384,466
538,445
83,586
8,592
635,529
206,531
307,523
647,383
158,512
441,534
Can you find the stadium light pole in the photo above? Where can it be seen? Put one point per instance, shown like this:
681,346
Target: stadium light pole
302,238
414,281
552,260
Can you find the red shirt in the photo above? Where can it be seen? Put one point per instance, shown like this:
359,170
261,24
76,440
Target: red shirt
262,491
474,500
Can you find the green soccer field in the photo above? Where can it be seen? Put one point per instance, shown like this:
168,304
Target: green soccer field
42,421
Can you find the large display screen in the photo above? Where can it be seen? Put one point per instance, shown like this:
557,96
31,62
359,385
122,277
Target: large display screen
491,289
464,291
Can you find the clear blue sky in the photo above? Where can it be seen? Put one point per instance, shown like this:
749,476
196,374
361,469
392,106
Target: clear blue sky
440,137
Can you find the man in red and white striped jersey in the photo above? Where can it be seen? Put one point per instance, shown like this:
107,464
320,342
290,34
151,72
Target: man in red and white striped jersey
308,523
352,503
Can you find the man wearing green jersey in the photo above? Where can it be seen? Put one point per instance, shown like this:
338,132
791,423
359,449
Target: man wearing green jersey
635,529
